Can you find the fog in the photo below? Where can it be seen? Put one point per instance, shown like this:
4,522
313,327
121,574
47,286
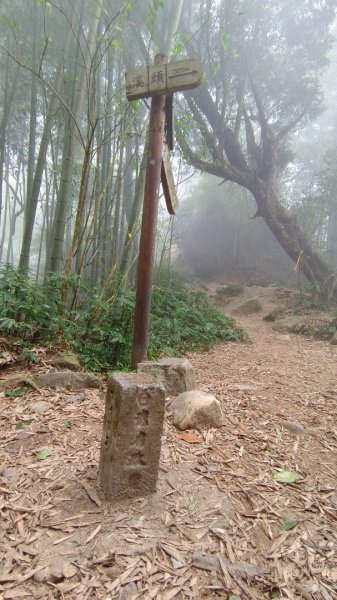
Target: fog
218,235
73,147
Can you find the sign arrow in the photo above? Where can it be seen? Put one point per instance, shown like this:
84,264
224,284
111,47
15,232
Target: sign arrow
183,74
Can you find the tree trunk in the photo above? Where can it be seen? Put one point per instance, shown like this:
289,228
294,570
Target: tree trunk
34,186
33,101
293,240
9,92
116,231
72,129
126,260
231,163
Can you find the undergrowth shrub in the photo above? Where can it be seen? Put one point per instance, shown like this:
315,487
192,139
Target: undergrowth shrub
27,309
229,290
100,331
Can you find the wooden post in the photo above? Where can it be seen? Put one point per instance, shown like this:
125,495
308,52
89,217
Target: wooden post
149,223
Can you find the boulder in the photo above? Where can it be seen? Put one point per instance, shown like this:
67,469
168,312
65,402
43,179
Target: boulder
196,409
67,380
274,314
246,307
175,374
285,325
65,360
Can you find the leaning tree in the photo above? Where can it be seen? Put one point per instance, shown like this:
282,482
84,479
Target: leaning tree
264,59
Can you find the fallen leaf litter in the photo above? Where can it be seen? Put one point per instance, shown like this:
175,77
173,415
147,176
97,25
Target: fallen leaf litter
220,526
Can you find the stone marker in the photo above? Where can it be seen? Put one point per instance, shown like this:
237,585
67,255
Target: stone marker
132,430
176,374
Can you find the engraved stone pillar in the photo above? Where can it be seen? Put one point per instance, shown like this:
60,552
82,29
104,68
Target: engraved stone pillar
176,374
132,430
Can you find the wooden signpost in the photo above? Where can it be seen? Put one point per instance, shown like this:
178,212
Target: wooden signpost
163,79
168,185
157,81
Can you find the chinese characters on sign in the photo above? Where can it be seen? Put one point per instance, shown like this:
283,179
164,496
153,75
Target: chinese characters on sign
163,79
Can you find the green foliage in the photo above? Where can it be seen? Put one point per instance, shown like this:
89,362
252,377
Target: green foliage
7,23
27,356
327,331
101,332
152,16
27,309
289,525
229,290
186,321
286,477
181,39
309,303
44,453
17,392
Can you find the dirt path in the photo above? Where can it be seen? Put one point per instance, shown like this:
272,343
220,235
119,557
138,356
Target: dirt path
215,529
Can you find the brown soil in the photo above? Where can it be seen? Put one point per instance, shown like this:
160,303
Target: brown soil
215,528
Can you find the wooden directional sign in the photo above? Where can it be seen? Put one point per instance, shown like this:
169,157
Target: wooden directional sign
163,79
158,81
168,185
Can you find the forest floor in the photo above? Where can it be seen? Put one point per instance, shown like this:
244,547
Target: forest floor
220,524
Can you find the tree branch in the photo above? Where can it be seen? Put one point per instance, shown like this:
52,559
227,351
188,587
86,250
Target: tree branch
49,86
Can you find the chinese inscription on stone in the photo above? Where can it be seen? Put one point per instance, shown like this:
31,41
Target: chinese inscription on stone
131,442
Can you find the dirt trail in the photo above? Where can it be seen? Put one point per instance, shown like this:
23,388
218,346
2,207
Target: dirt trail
219,526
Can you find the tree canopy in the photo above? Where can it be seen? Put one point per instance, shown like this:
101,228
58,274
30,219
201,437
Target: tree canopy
72,148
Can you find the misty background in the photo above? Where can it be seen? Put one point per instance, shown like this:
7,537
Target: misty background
257,137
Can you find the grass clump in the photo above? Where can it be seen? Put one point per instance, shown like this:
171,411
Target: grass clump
183,321
231,290
275,313
100,331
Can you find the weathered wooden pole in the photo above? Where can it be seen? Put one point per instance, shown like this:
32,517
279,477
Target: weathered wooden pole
147,247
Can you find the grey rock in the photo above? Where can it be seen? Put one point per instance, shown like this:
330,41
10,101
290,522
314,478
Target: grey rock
196,409
175,374
40,407
295,428
246,307
77,399
285,325
68,380
65,360
11,475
